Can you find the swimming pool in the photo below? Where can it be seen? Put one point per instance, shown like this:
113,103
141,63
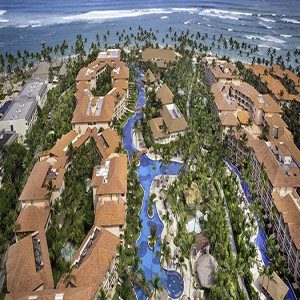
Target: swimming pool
148,169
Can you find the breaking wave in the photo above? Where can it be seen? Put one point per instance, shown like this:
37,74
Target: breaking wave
224,14
267,20
287,20
266,38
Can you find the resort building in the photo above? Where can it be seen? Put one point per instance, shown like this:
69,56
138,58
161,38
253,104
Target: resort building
20,117
99,112
149,77
7,137
277,129
28,265
95,263
165,94
54,294
93,112
275,175
255,104
34,90
120,98
109,180
32,218
169,126
111,215
37,188
273,78
161,57
219,70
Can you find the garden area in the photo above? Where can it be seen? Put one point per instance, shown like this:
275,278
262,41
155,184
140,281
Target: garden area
73,213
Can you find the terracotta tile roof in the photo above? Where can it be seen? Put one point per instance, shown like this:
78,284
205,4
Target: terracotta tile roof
243,117
85,111
110,213
62,144
224,70
275,286
85,74
264,102
275,86
291,215
22,274
228,118
278,71
115,92
149,76
121,84
32,218
275,121
221,100
160,56
258,70
174,124
34,188
116,178
120,71
97,260
49,294
107,141
156,125
165,94
275,171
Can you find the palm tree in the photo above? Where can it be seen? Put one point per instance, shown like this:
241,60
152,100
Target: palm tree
50,189
157,286
70,277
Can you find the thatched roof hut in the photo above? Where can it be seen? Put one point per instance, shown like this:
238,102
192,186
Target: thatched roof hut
274,286
206,268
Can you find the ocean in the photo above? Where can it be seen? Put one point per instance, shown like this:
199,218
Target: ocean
24,24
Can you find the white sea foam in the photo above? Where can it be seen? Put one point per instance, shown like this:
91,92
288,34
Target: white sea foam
2,12
229,29
286,35
224,14
164,17
266,38
264,25
287,20
208,25
268,46
4,20
103,15
267,20
187,22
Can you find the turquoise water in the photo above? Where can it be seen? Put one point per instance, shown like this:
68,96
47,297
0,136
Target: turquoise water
147,171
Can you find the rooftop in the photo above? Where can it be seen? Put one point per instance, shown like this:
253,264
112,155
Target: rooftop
165,94
111,176
28,265
110,213
22,109
32,218
94,258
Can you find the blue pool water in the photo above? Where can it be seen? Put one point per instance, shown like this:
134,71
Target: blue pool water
150,262
261,239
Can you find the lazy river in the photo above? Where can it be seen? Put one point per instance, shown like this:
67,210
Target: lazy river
147,170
